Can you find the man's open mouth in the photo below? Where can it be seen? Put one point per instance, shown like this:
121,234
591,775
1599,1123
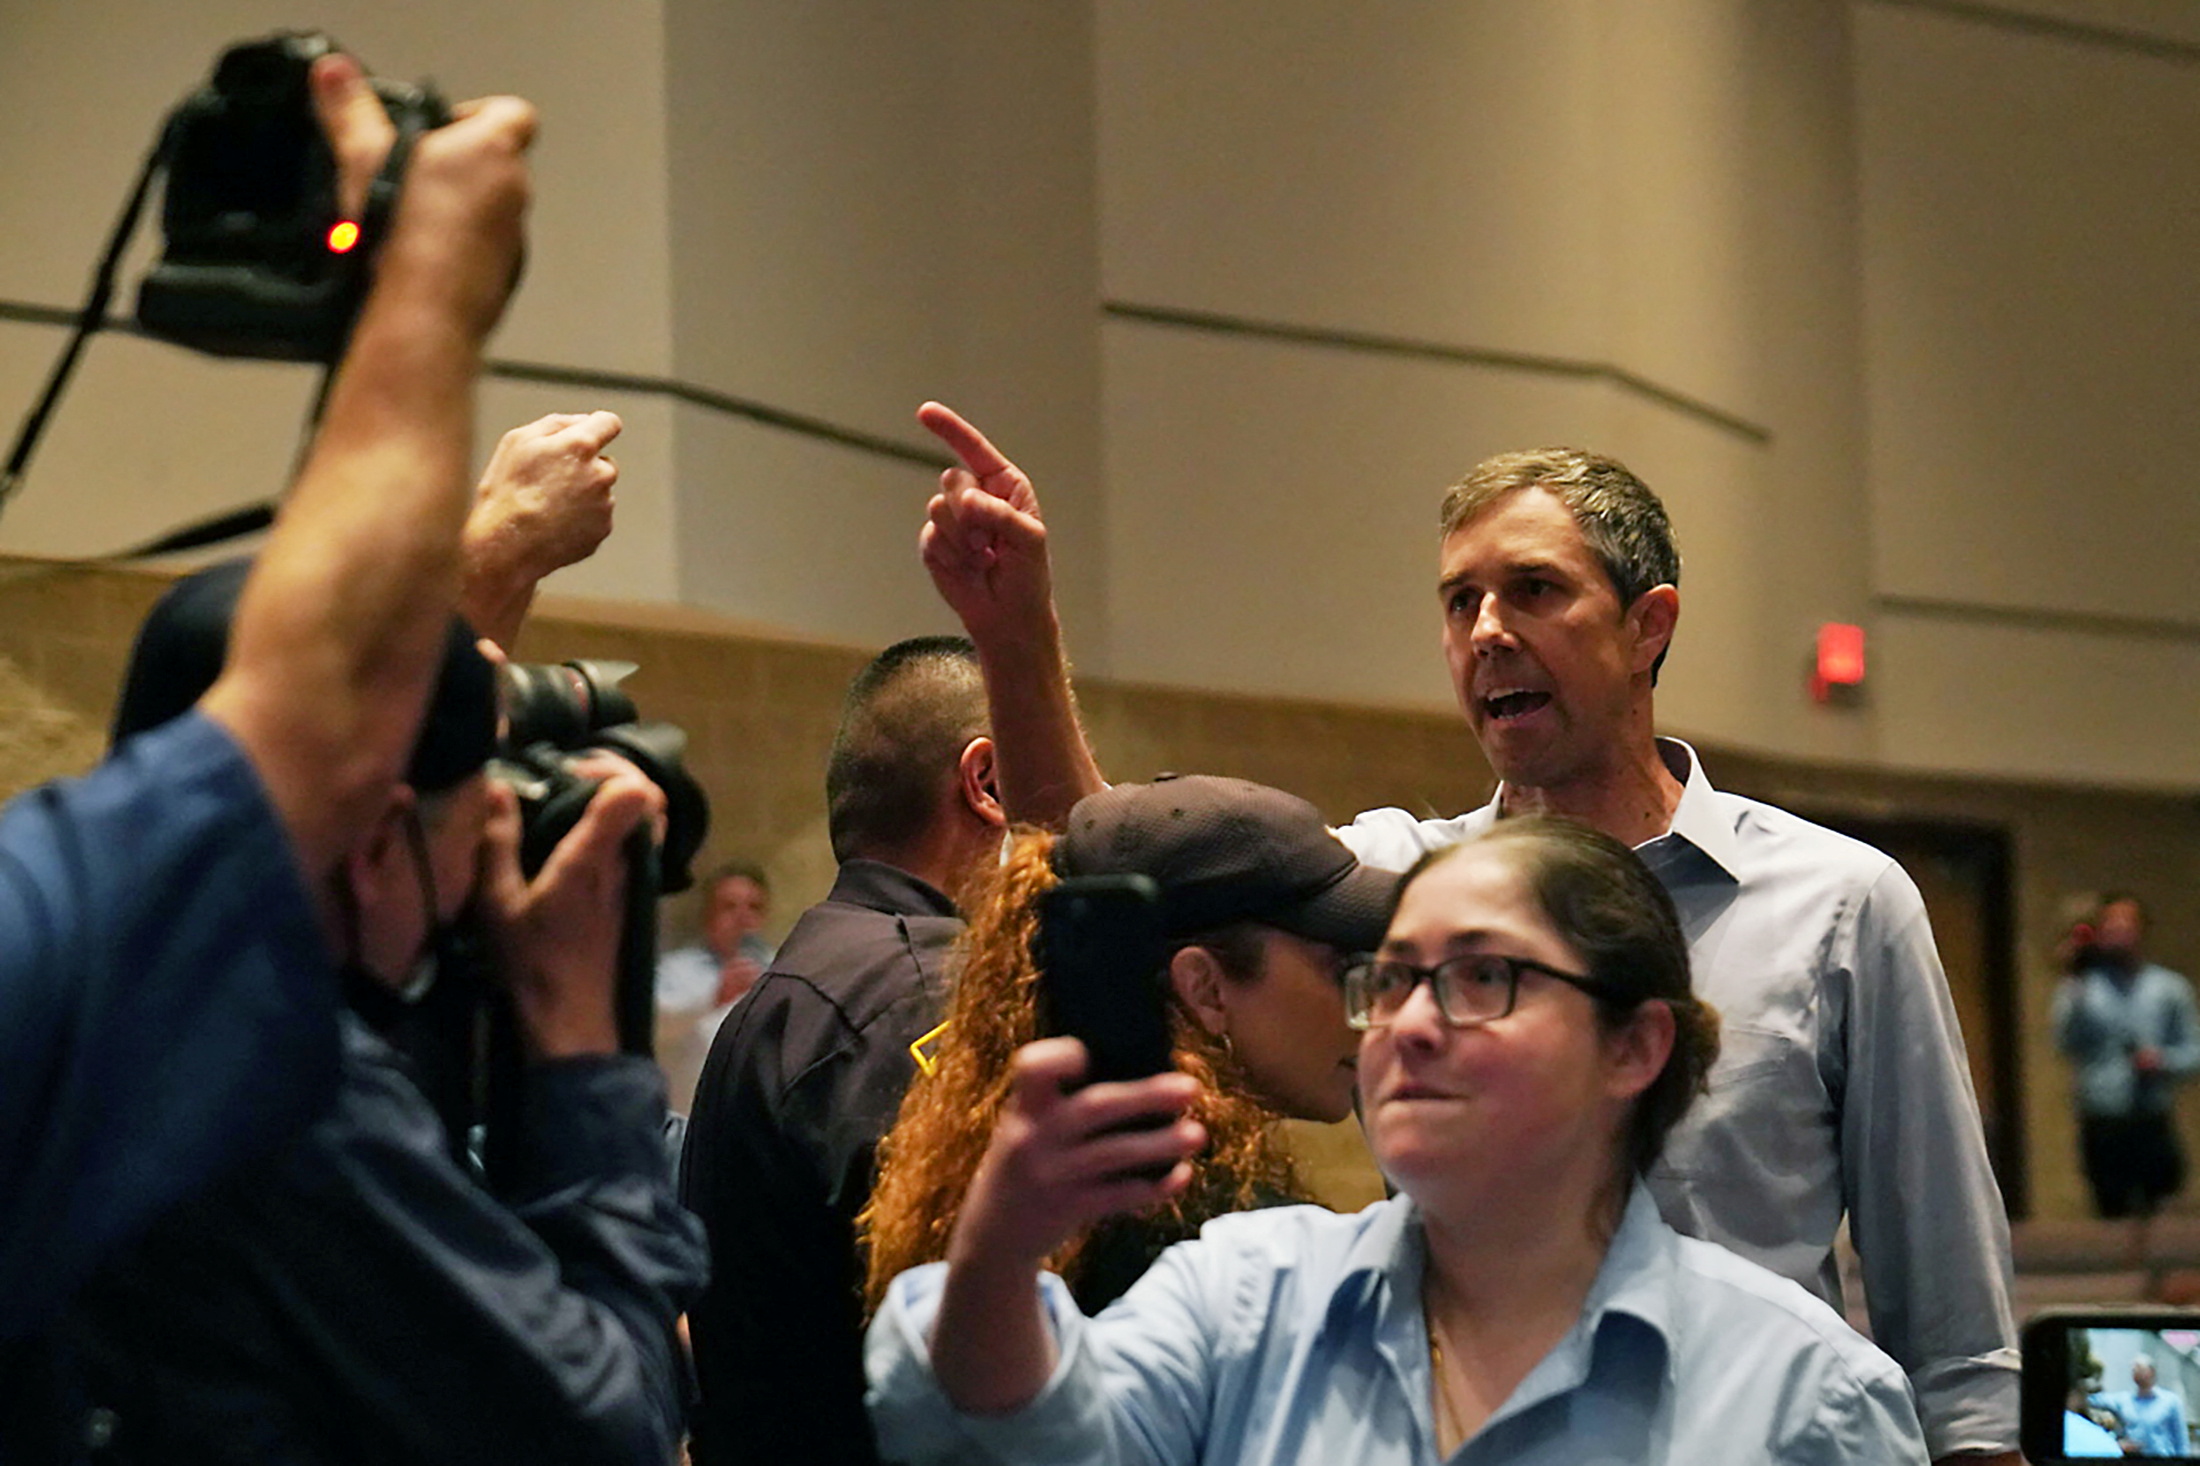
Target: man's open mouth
1513,704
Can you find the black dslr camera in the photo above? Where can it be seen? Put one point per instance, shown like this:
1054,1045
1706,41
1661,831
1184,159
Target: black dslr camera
259,261
462,1038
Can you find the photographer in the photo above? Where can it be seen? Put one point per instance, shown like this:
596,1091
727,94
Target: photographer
360,1293
166,994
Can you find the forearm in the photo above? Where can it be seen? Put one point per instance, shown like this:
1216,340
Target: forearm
340,628
1046,764
2071,1021
564,1286
1937,1275
496,590
992,1351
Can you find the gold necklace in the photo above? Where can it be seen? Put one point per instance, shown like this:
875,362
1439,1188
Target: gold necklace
1447,1416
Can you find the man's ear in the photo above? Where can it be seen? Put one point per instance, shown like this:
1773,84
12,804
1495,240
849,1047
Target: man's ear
1197,979
383,856
1638,1051
977,777
1653,616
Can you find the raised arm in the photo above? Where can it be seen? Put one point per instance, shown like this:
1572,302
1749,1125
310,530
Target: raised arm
340,627
985,546
1058,1163
544,502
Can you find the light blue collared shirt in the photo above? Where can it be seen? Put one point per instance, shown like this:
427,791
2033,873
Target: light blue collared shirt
1295,1337
2101,1019
1841,1086
2155,1422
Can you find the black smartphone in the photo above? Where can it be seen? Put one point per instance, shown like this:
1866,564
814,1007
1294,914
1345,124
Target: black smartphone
1100,951
2115,1384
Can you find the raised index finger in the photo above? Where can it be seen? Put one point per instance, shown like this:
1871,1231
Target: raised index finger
977,454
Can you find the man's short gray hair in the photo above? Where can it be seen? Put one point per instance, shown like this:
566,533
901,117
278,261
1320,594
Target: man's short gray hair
1624,525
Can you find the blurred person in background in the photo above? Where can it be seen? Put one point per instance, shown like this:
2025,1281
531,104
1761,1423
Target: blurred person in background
2132,1034
698,984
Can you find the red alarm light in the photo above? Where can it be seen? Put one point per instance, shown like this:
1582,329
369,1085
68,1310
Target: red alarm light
1840,660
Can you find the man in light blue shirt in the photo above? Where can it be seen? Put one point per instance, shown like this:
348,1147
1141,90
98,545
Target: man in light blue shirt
698,984
1842,1091
730,951
2154,1419
1296,1335
2130,1028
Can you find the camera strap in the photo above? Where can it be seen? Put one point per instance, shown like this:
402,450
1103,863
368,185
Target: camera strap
91,318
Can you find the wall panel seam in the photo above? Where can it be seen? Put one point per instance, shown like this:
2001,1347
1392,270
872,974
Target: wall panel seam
2032,618
597,380
2115,38
1405,348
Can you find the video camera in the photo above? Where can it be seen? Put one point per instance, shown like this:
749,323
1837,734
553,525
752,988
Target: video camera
2078,1384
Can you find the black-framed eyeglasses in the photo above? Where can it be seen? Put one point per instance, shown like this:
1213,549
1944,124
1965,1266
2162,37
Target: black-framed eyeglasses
1470,989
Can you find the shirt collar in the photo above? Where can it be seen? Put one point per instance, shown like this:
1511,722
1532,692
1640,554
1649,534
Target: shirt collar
888,888
1636,1278
1698,819
1633,1290
1382,1271
1636,1281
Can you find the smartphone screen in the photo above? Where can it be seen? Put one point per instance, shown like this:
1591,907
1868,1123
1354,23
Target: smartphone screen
2111,1384
1100,951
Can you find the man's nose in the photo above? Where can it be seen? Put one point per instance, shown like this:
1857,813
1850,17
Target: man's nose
1490,631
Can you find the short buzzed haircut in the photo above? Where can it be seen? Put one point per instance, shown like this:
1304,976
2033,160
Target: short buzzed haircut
1624,525
908,718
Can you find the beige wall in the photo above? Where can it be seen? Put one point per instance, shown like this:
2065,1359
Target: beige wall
873,204
1863,287
2033,338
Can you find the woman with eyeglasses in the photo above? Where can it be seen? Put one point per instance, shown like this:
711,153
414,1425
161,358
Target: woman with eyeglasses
1528,1038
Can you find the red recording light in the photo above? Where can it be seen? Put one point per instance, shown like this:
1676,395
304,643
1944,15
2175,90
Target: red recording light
342,235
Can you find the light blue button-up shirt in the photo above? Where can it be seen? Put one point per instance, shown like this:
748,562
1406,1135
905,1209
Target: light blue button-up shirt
1841,1087
2101,1019
1295,1337
2154,1421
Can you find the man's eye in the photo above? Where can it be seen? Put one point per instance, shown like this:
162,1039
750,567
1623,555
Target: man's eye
1534,588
